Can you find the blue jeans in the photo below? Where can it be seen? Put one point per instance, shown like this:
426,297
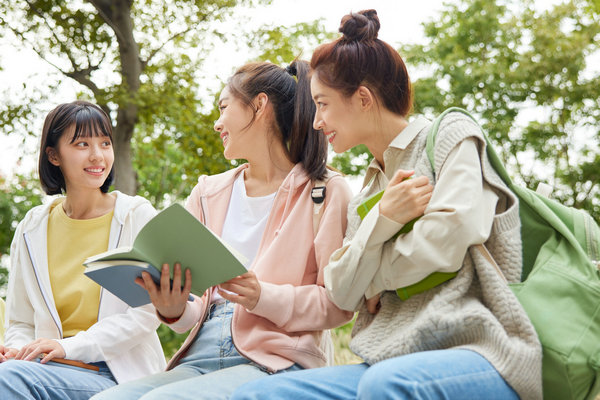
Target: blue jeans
441,374
32,380
211,369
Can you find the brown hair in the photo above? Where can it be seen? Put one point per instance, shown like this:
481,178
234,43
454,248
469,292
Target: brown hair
359,58
293,108
90,120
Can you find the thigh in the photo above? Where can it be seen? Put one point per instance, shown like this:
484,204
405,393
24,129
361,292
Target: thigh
440,374
139,387
339,382
212,386
32,380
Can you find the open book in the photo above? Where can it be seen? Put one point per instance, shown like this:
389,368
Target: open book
173,235
430,281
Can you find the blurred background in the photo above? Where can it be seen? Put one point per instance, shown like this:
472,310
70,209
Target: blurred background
529,71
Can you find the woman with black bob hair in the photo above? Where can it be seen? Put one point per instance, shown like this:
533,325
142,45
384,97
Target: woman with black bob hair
466,338
271,319
66,337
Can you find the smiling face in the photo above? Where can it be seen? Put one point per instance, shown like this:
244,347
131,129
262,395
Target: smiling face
85,161
234,125
339,118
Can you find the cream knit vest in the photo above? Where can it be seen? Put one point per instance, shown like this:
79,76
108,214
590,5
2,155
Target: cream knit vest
476,310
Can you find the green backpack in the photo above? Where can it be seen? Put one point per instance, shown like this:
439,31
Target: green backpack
560,288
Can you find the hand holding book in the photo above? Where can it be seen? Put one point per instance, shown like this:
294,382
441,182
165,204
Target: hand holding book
405,198
415,193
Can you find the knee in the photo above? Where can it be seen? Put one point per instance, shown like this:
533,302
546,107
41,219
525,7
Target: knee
255,390
380,383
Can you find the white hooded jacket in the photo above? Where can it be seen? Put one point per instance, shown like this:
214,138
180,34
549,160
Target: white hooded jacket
124,337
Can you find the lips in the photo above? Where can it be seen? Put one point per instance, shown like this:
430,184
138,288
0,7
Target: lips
95,170
330,135
224,136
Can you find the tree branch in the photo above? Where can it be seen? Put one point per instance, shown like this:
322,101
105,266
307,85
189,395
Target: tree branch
104,9
159,48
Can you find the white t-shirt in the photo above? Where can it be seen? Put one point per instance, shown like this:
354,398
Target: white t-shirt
245,221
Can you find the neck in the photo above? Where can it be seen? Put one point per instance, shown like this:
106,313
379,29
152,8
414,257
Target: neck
86,204
267,170
388,126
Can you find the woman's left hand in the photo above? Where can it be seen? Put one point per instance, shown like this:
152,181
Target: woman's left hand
245,288
51,348
373,304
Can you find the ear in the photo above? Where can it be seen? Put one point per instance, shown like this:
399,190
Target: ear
260,103
365,97
52,156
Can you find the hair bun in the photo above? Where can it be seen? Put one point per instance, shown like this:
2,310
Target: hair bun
360,26
292,69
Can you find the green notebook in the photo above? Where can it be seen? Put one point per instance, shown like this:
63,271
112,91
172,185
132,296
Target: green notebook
430,281
173,235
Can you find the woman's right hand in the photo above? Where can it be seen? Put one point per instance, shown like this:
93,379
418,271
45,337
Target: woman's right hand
169,302
405,199
7,352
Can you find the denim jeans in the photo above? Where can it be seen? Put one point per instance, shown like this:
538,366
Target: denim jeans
32,380
211,369
441,374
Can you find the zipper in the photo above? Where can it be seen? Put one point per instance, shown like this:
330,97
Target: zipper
37,278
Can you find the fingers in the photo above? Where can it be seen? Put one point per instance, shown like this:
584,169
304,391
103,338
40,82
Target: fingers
165,279
176,289
187,286
400,175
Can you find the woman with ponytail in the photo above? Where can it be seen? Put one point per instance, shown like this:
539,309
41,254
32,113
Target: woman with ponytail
272,318
466,338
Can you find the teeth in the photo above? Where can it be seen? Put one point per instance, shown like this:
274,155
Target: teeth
94,169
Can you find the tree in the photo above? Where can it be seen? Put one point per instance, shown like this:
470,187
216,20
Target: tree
17,196
528,75
122,57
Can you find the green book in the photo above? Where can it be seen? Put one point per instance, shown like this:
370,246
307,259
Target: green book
428,282
173,235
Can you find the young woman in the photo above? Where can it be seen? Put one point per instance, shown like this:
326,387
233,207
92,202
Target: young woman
53,311
467,338
272,318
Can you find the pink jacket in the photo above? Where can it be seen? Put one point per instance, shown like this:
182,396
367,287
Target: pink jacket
286,325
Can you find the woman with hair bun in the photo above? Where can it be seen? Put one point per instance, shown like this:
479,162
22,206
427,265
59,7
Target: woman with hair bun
272,318
466,338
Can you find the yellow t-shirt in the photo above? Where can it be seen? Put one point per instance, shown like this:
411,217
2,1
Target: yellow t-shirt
70,242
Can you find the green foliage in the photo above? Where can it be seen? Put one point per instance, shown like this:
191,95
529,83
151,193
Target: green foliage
528,75
170,340
17,196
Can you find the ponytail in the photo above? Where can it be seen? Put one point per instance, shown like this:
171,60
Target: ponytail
306,145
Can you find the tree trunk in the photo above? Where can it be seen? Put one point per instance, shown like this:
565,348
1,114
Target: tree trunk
117,14
125,175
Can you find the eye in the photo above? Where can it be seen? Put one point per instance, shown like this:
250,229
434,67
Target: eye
320,104
106,143
80,144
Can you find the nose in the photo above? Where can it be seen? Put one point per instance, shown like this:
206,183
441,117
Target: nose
218,125
318,122
96,152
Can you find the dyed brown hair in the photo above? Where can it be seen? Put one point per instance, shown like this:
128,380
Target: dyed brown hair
359,58
89,120
293,108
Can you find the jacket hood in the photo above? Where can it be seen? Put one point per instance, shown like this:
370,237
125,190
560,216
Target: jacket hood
123,206
212,184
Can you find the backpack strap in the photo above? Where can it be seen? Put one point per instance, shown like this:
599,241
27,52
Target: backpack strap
317,194
491,153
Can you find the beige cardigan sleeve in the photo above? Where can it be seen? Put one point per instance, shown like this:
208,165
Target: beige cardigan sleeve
459,215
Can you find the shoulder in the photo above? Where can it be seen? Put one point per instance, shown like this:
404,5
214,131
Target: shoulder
208,184
138,208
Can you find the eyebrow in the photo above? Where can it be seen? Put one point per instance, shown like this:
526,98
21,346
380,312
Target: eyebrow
317,96
222,100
